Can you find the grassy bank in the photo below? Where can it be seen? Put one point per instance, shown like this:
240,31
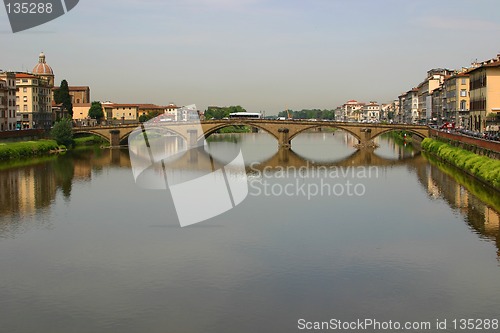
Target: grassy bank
400,137
89,141
27,149
483,193
482,167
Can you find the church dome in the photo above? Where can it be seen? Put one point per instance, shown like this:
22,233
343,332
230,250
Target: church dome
42,68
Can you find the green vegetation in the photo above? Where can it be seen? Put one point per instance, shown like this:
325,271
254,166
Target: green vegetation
26,149
63,132
89,140
215,112
235,129
309,114
400,137
482,167
475,187
95,111
145,117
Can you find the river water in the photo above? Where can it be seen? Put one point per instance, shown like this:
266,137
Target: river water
84,249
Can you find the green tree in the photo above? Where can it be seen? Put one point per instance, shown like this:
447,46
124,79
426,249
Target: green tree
215,112
62,96
63,132
149,116
95,111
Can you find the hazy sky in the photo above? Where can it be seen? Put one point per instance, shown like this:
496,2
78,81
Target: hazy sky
263,55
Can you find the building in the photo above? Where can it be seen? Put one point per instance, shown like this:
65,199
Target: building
410,106
484,87
456,99
79,94
435,78
8,119
33,101
123,113
43,70
172,112
81,111
351,111
437,114
34,96
145,109
371,112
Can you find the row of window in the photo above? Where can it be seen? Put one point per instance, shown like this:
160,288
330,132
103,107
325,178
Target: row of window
480,82
478,105
5,114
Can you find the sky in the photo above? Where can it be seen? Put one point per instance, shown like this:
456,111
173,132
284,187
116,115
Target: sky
262,55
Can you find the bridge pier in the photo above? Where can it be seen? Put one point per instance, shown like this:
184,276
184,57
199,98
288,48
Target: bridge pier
114,138
283,138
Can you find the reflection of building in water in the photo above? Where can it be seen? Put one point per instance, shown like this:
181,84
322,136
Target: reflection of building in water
24,190
485,220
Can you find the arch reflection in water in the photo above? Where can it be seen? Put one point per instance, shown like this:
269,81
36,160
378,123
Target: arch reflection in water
152,167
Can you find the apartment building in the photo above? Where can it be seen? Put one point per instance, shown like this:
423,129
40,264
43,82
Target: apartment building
409,109
435,78
484,86
456,99
33,101
8,119
121,112
371,112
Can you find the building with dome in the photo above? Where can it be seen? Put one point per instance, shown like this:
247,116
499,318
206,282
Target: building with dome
34,96
43,70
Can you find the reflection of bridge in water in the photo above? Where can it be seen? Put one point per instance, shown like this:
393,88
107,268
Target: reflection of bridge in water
200,159
283,131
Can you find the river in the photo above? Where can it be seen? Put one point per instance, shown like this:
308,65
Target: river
84,249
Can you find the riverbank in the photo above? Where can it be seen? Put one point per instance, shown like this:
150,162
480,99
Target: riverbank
25,149
36,148
481,167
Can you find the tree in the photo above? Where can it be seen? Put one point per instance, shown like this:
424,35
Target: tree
152,114
63,132
95,111
62,96
215,112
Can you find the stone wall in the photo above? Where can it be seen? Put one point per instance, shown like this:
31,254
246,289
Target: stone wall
476,145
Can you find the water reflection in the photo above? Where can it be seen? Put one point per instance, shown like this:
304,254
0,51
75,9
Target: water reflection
25,190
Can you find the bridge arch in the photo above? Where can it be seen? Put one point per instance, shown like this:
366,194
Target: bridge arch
217,127
160,130
323,125
388,130
96,133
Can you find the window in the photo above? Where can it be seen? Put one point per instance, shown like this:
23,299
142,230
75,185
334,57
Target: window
25,98
463,93
463,81
25,89
463,105
25,107
25,80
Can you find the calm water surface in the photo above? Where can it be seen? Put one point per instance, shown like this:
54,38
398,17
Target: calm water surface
83,249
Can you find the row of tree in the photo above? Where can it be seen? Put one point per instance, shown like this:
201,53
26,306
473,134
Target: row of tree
308,114
215,112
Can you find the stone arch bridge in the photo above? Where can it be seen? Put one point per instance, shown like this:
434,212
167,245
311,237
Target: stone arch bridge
283,130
